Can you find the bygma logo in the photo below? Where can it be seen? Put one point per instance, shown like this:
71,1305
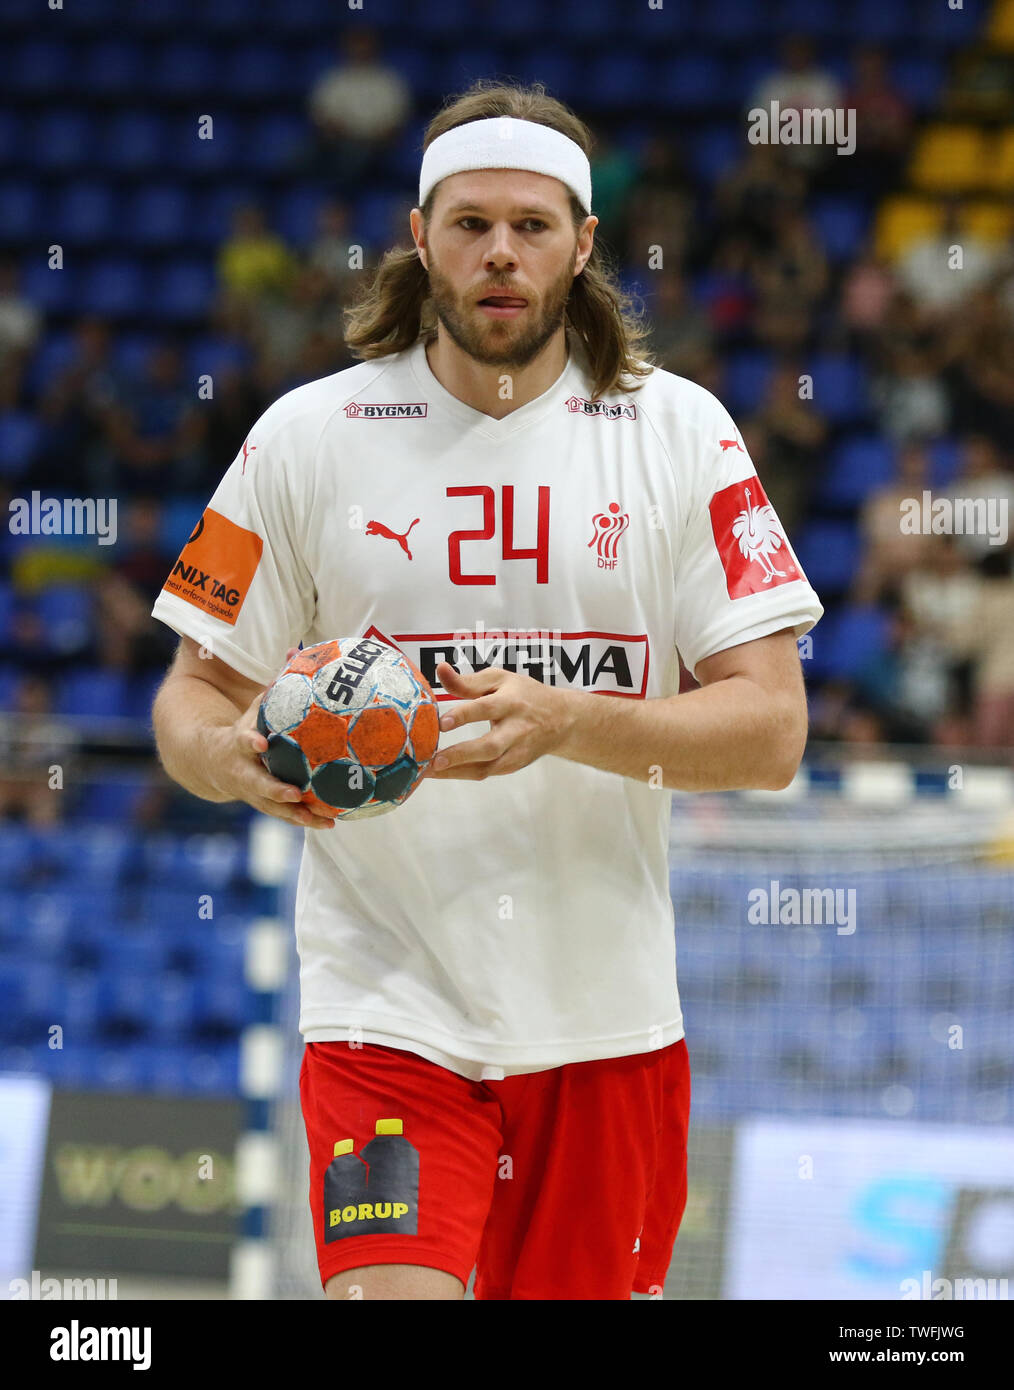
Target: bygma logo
376,1193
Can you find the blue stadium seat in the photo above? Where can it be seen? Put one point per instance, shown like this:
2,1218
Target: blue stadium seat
256,72
156,17
183,70
85,214
38,68
92,16
179,517
183,291
132,353
691,83
311,19
860,636
586,21
829,552
731,22
107,801
804,17
142,693
945,461
60,141
213,1070
194,154
871,21
113,68
12,139
376,215
620,80
225,17
54,291
134,142
715,150
562,72
221,1006
156,217
858,465
746,380
276,142
445,18
171,1007
216,355
20,438
414,64
842,224
951,28
66,612
18,15
840,389
7,598
521,20
116,288
123,1000
21,212
215,209
920,79
91,693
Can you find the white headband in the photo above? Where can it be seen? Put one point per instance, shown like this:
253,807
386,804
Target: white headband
504,142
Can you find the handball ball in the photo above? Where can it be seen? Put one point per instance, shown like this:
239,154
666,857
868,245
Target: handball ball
352,724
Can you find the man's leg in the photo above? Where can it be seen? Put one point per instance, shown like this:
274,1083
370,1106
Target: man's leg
394,1282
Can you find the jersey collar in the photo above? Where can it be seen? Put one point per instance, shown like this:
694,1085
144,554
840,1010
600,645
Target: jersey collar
569,382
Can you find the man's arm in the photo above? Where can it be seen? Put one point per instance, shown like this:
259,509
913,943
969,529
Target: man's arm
204,717
745,728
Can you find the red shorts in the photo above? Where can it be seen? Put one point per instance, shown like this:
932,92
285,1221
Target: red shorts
561,1184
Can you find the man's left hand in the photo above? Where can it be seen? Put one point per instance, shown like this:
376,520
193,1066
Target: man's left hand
527,720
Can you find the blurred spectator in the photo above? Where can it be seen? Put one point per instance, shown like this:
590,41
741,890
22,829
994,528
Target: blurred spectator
74,409
234,407
749,199
254,261
942,270
942,595
140,556
660,208
20,321
911,400
614,173
994,653
34,741
681,332
908,686
334,253
795,433
866,292
983,478
156,431
888,552
358,109
790,279
281,327
129,638
800,84
883,122
980,371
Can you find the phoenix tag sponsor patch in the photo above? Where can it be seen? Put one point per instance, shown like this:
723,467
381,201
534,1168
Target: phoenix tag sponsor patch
216,566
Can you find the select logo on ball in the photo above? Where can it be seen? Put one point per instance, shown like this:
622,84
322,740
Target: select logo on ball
353,724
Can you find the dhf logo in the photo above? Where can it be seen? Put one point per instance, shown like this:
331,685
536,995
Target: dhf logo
376,1192
609,527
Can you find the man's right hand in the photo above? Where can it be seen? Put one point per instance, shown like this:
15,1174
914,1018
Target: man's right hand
239,774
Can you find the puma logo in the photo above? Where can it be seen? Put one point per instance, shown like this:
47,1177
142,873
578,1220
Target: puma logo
377,528
731,444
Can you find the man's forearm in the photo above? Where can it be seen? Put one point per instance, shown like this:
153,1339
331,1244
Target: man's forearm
732,734
186,716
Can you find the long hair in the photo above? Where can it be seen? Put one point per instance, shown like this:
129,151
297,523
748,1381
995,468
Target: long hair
395,310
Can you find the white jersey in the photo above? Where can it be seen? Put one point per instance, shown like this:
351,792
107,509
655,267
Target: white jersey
522,922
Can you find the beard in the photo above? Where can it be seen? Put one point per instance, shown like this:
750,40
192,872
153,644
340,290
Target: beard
500,342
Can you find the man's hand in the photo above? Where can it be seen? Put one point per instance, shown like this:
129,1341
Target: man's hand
527,720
